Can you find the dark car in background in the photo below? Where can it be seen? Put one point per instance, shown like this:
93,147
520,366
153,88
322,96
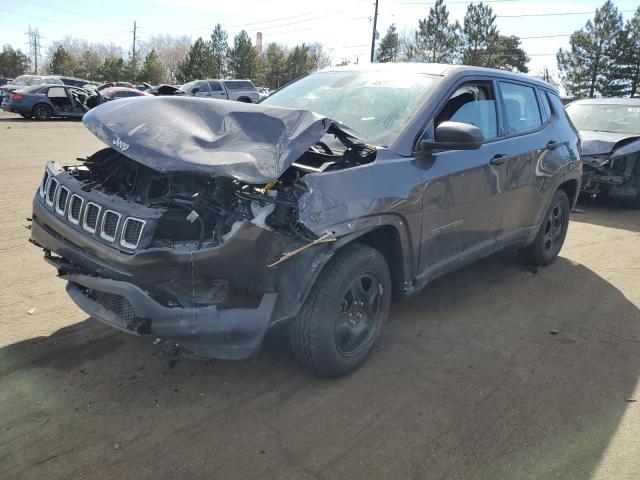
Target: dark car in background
4,81
610,132
113,93
314,207
43,102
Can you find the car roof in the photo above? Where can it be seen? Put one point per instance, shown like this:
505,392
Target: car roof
440,69
608,101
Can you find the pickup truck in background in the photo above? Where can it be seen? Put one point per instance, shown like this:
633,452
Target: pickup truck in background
240,90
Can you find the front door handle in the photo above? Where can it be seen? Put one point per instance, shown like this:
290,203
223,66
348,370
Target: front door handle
498,159
552,145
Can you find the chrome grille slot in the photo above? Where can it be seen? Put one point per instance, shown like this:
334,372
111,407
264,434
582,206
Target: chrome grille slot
61,202
51,191
131,232
43,185
109,227
91,214
75,208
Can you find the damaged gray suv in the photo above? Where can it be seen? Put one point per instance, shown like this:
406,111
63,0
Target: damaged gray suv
205,222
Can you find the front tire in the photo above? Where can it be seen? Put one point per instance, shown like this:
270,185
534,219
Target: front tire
345,312
550,238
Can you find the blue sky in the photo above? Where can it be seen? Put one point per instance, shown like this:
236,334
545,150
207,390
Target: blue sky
343,26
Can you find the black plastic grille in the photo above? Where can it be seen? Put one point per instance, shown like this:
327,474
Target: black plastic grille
110,224
62,199
116,304
51,191
75,207
132,231
91,216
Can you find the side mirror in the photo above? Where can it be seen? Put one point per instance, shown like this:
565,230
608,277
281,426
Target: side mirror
195,90
454,136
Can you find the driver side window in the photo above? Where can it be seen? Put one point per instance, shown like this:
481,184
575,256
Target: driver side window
473,103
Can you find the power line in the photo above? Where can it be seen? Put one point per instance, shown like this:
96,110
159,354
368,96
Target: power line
35,17
559,14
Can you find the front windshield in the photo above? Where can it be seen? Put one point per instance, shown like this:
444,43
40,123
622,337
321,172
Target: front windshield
27,80
378,105
187,87
605,117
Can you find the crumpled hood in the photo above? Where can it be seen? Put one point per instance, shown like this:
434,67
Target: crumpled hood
252,143
602,143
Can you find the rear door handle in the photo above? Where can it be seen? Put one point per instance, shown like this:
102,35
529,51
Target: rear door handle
551,145
498,159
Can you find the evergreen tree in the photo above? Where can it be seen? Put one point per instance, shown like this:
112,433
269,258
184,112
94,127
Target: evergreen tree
197,64
152,71
298,62
631,56
62,63
479,35
591,65
219,52
13,62
243,58
436,40
112,69
505,53
388,47
274,65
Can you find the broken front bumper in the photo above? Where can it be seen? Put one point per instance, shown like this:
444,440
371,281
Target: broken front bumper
160,291
206,331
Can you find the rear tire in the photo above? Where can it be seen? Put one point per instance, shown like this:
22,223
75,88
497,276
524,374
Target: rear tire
550,238
42,111
344,314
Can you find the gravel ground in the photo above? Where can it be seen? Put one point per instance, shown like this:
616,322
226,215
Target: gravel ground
493,372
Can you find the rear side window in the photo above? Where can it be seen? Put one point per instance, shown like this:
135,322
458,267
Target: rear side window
239,85
546,107
215,86
123,94
473,103
57,92
521,108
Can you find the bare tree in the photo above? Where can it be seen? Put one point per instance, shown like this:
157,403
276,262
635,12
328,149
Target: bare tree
170,50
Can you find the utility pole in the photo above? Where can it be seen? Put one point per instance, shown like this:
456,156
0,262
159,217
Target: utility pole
34,47
133,54
374,34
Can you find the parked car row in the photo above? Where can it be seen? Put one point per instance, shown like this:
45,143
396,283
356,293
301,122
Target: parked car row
29,96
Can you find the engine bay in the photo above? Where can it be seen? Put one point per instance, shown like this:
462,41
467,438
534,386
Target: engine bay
200,210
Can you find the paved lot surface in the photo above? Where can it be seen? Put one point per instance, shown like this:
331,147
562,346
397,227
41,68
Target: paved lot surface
467,382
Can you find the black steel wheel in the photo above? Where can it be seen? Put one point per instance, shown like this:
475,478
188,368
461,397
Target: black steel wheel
345,313
42,111
550,238
359,316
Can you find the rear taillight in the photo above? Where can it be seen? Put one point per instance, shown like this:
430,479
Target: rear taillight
16,96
